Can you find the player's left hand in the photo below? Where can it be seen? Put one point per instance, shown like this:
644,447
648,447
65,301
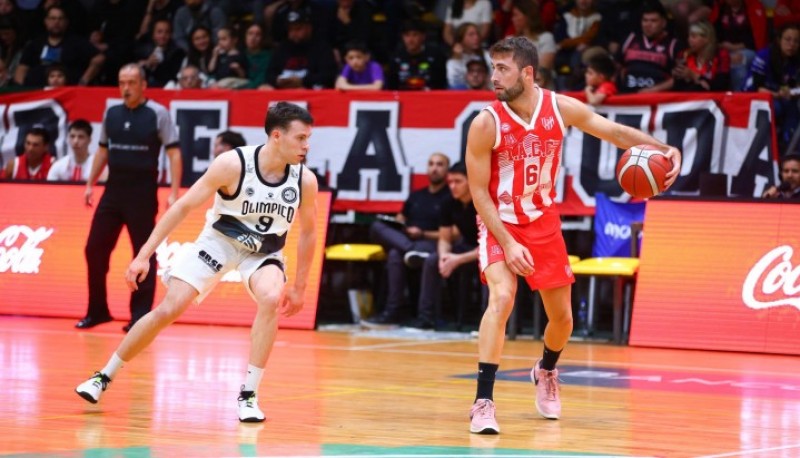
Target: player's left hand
136,273
291,301
674,155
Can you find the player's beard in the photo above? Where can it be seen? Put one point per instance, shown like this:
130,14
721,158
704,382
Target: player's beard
509,94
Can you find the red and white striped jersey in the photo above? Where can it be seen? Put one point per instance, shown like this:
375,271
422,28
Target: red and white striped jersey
525,159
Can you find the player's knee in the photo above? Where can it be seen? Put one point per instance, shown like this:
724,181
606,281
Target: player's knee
268,296
502,298
561,320
166,313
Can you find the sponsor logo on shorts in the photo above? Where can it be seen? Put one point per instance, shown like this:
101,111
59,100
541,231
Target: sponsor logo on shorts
211,262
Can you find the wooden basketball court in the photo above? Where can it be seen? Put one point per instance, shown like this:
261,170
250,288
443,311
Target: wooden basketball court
351,393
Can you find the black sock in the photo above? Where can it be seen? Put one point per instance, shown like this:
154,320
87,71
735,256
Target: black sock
550,358
486,374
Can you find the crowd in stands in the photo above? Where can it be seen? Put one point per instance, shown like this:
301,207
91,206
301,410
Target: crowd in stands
652,46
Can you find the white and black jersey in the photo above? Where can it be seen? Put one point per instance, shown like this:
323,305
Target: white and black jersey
258,215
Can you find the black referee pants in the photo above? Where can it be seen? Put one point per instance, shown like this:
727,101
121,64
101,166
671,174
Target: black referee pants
135,209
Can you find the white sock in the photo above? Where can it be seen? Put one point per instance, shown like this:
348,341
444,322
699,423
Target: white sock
253,378
114,364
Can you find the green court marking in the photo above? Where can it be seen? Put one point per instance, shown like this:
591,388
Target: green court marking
438,451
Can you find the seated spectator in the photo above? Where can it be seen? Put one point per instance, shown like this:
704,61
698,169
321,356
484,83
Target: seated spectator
408,243
301,61
228,66
276,17
160,57
466,49
34,164
574,33
189,77
477,12
547,11
360,72
200,52
81,60
703,66
257,55
526,22
56,76
776,70
194,14
226,141
789,187
157,10
77,163
11,44
741,27
352,22
457,247
648,55
599,77
416,65
477,77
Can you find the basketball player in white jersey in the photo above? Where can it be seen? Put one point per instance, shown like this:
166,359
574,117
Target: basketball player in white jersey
513,156
77,164
259,191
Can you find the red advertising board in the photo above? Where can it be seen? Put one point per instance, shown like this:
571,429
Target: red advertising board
43,230
719,276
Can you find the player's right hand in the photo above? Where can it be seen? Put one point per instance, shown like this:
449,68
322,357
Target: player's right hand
136,273
87,196
518,259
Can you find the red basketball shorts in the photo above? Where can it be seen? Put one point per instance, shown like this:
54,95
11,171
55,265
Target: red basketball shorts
544,240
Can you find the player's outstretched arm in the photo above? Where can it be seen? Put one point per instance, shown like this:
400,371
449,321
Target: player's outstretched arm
222,174
480,141
576,113
293,298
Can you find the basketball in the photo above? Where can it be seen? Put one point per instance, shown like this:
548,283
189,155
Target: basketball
642,171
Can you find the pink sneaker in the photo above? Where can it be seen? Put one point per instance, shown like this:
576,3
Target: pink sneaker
548,402
481,417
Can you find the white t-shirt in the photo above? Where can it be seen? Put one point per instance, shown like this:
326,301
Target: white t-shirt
68,169
479,13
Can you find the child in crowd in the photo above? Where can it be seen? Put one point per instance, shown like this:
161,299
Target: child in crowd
360,71
599,79
56,76
227,65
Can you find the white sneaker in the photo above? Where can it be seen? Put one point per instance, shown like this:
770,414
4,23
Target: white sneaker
92,389
248,407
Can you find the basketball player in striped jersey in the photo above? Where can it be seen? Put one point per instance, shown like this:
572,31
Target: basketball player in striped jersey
77,164
513,156
259,191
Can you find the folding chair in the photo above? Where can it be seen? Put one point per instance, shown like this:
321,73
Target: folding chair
351,253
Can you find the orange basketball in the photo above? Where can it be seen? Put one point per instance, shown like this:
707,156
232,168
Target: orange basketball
642,171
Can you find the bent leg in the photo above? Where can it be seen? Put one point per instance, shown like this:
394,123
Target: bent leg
179,295
502,289
558,306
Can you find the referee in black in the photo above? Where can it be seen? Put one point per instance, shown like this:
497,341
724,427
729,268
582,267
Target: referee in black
130,142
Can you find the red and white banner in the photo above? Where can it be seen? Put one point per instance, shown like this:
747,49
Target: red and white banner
43,230
374,147
719,276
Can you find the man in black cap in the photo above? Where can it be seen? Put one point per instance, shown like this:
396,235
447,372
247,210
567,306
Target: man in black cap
417,65
300,61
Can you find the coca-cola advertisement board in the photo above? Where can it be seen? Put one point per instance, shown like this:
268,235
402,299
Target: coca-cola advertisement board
43,230
719,275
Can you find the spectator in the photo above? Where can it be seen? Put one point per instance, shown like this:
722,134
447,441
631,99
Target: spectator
158,10
34,164
574,33
194,14
741,27
466,49
81,60
160,57
408,244
547,12
188,78
789,188
526,22
200,52
457,247
56,76
478,12
76,165
703,66
276,16
228,66
648,56
477,78
416,65
352,22
599,79
776,70
686,12
360,72
257,55
301,61
226,141
10,45
619,18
